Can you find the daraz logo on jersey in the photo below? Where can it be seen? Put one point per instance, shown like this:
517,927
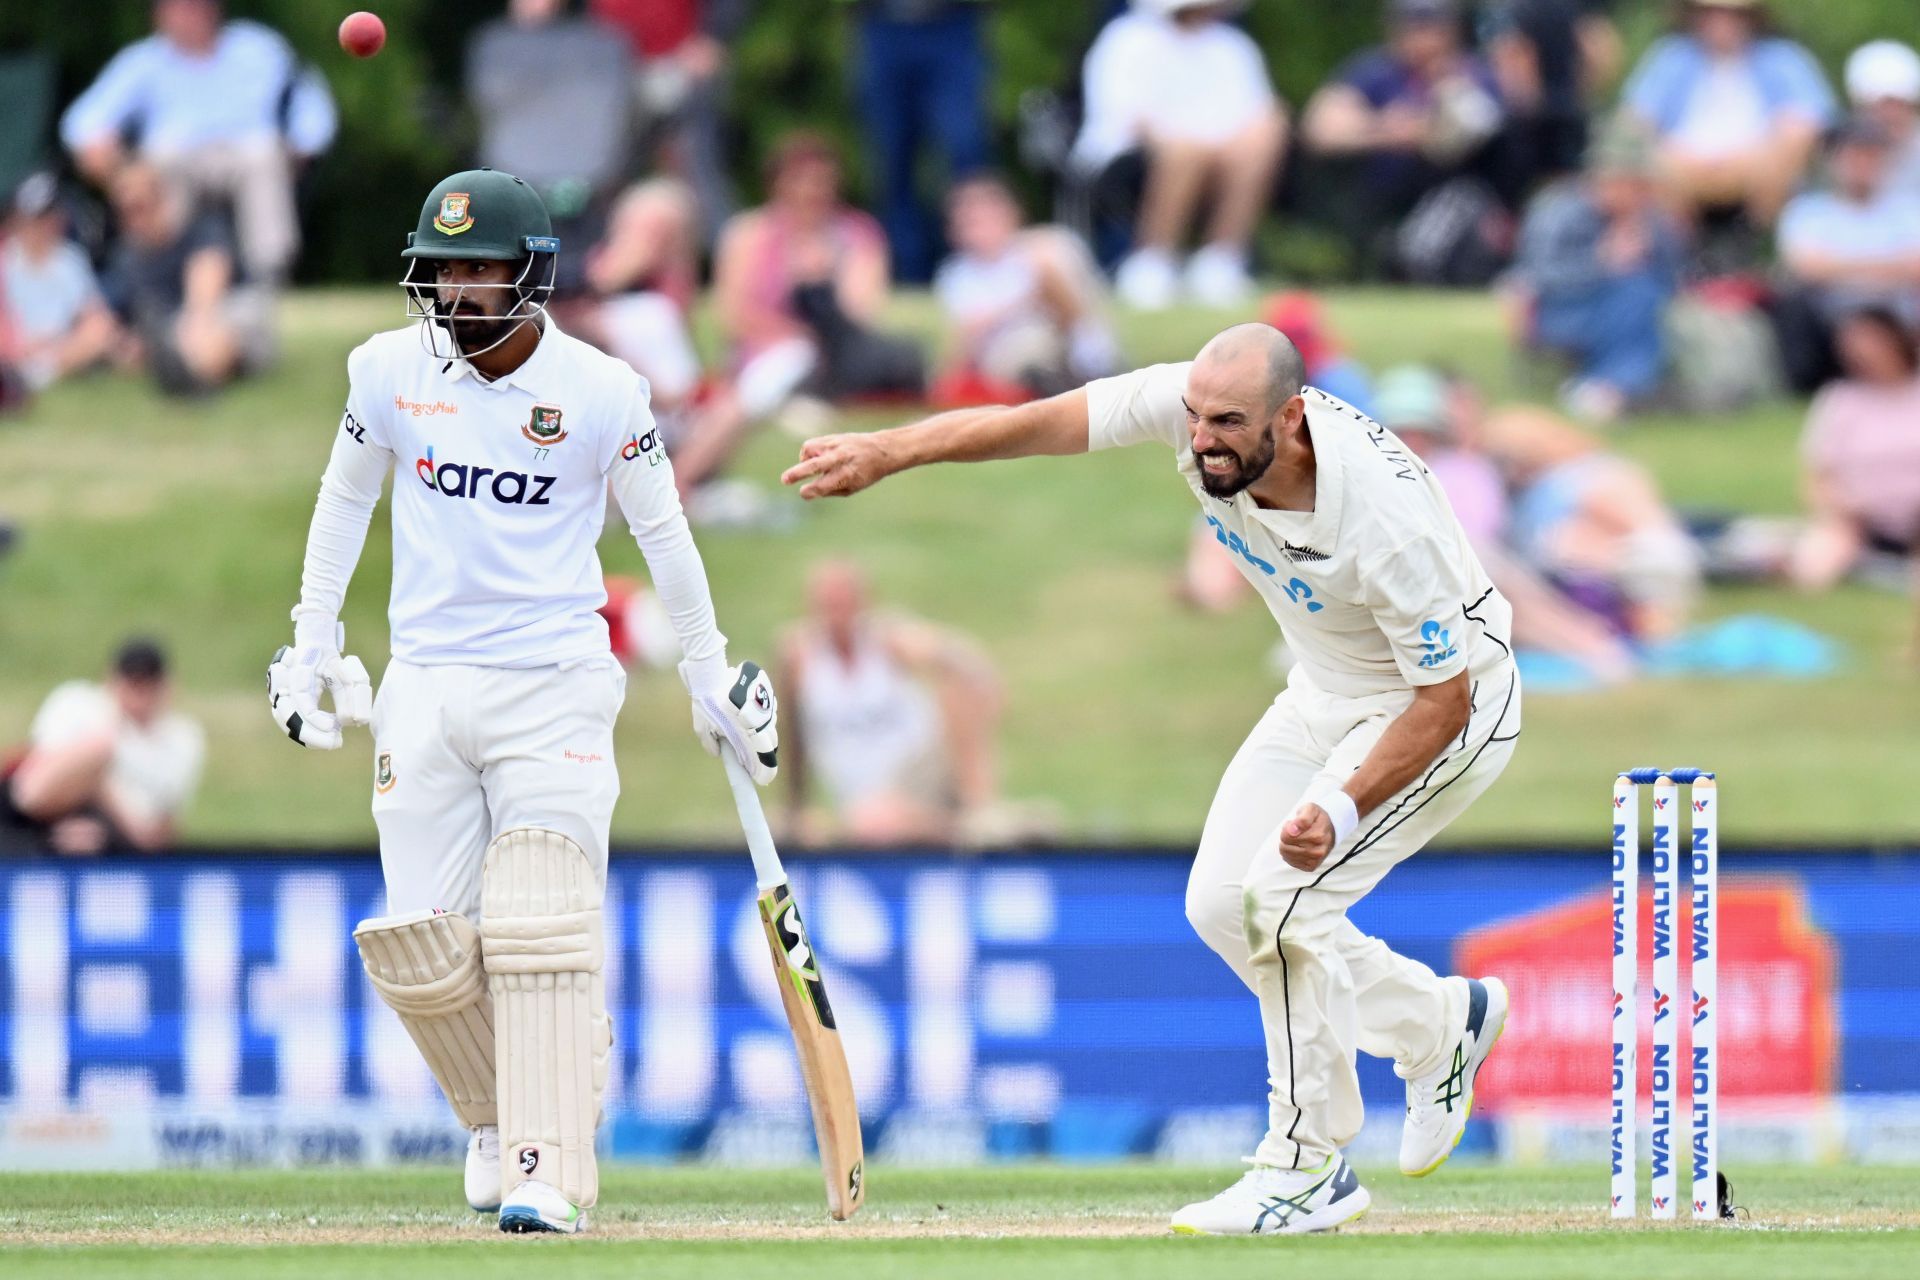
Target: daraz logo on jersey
649,446
457,480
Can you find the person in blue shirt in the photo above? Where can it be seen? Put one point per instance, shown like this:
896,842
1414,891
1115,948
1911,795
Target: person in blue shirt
1405,117
1598,264
225,107
1737,109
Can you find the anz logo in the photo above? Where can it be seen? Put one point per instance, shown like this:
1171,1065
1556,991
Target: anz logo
1438,645
1297,591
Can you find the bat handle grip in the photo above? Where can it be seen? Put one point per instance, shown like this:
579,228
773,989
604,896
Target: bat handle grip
767,871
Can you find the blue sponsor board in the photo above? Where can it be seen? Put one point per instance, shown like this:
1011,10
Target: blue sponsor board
1055,1005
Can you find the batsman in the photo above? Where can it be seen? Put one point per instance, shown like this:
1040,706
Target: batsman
1402,707
493,777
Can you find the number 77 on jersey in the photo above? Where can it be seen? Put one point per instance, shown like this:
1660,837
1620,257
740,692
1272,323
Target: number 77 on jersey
816,1039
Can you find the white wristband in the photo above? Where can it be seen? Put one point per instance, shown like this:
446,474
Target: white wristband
1340,809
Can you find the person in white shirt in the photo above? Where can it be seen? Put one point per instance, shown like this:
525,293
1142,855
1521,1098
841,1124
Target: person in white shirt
496,714
49,296
108,763
1401,709
896,719
1176,82
225,107
1025,303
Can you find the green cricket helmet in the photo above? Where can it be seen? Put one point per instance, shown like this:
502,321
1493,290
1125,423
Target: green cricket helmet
481,214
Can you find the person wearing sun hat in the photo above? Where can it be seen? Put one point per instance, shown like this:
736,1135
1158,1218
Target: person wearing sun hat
1737,109
1883,83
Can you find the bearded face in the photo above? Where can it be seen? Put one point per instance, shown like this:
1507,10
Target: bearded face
1225,471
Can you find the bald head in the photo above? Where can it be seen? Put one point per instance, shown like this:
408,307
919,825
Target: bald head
837,592
1258,358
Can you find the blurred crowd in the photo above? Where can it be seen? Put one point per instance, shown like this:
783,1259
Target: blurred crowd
1705,225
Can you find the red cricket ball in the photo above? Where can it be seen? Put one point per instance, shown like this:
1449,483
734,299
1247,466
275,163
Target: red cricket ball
362,34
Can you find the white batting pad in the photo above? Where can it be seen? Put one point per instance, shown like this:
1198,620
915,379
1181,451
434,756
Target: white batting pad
540,935
426,966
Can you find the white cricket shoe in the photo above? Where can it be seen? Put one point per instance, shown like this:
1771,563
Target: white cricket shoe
536,1206
483,1168
1275,1202
1148,279
1439,1102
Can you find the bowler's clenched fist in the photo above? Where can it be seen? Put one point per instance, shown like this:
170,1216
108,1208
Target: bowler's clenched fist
1306,838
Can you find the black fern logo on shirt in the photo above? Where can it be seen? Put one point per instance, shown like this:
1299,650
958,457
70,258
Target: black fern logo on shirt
1302,555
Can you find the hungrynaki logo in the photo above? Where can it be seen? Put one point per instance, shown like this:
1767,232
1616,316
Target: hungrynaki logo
457,480
1776,1003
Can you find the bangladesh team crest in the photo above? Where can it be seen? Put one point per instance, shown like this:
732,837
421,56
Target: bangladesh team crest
456,214
383,773
543,427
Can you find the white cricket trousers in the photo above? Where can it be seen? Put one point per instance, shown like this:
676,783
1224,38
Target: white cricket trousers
463,753
1325,988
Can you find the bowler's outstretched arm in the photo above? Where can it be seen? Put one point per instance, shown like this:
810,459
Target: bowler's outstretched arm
840,465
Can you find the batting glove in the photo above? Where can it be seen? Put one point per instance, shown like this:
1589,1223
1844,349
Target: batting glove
301,671
741,715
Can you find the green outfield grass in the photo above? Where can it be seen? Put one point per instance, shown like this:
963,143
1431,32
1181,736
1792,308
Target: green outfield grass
1010,1223
187,519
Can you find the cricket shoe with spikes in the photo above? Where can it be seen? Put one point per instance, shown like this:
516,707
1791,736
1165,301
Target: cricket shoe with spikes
1439,1102
483,1168
536,1206
1276,1202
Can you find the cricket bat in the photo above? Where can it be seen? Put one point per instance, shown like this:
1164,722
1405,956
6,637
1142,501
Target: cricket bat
816,1040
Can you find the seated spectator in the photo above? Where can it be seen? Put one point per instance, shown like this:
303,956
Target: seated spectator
1599,262
1024,304
224,107
1414,114
1594,525
1861,454
105,765
1552,59
798,285
892,720
1849,246
644,278
1177,88
1883,83
1441,421
172,280
554,97
1736,109
56,320
681,48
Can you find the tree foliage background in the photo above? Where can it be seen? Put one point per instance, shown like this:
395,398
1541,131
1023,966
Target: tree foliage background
403,124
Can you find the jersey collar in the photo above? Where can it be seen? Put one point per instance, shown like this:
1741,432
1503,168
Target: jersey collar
1318,527
526,377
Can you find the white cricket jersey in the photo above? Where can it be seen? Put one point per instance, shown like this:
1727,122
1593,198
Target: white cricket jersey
499,494
1376,588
